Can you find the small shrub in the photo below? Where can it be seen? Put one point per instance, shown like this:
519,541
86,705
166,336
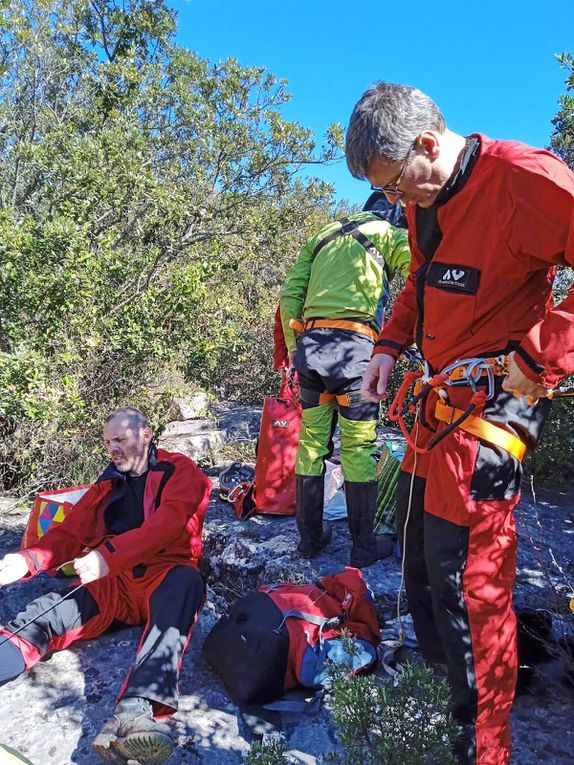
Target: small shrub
406,723
270,751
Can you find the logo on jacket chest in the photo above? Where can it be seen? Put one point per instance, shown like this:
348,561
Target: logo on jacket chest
454,278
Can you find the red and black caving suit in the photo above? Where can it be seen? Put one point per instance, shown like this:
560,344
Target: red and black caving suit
483,263
153,577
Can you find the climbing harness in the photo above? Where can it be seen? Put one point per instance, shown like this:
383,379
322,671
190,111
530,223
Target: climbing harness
471,372
314,397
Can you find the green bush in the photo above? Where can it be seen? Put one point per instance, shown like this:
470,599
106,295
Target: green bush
270,751
150,205
401,723
551,462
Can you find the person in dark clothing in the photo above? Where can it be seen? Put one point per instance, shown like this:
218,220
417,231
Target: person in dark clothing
393,213
135,541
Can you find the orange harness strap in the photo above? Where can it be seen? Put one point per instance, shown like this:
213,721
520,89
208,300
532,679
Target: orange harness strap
459,373
488,431
343,399
351,326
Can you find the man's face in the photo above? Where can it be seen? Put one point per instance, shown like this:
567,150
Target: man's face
420,175
127,445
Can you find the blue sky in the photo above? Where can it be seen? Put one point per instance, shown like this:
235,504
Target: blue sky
489,65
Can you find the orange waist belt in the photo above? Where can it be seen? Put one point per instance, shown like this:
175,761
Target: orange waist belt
488,431
351,326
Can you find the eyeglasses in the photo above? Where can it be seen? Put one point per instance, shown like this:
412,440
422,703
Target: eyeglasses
393,187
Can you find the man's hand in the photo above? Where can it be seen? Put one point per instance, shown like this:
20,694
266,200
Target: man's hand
91,567
374,387
520,385
12,567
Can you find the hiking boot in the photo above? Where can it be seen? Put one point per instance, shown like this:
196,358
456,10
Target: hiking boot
133,734
309,550
309,516
367,547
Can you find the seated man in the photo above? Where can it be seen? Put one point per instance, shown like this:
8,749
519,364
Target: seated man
135,541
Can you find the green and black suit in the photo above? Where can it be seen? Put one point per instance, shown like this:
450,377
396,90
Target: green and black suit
340,274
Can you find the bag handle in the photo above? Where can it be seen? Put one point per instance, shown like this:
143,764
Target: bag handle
288,388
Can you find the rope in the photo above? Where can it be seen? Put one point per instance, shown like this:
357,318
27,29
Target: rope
402,633
23,627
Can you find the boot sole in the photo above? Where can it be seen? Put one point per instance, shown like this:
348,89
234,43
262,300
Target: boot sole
146,748
103,748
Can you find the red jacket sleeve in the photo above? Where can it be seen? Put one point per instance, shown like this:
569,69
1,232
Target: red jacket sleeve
543,229
63,541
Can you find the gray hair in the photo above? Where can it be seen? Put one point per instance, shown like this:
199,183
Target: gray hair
385,122
135,418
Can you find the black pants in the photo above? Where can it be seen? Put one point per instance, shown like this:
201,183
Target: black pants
332,362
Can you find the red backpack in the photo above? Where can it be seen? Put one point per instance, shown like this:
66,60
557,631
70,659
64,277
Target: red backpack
282,635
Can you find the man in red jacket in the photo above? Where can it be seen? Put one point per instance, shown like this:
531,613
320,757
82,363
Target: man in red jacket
135,542
489,222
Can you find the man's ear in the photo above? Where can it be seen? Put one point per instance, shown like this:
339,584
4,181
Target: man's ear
429,141
147,435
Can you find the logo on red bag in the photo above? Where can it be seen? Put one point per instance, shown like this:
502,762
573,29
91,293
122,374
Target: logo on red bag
280,423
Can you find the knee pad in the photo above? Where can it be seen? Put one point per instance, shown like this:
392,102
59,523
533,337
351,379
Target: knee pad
358,447
314,438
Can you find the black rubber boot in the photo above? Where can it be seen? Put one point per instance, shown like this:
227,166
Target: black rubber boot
132,735
309,516
367,548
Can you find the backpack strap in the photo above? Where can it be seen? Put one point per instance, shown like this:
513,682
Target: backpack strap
325,622
352,228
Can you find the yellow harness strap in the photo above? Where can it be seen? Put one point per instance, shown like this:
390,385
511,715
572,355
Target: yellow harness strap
488,431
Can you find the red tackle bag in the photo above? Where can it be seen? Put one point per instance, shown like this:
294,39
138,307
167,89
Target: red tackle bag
272,490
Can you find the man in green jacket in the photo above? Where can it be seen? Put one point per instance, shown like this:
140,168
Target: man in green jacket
331,311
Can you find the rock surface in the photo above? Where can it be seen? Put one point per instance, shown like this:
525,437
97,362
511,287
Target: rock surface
52,713
200,437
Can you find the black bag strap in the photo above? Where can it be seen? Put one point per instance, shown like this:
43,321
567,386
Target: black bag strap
309,704
352,228
266,719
